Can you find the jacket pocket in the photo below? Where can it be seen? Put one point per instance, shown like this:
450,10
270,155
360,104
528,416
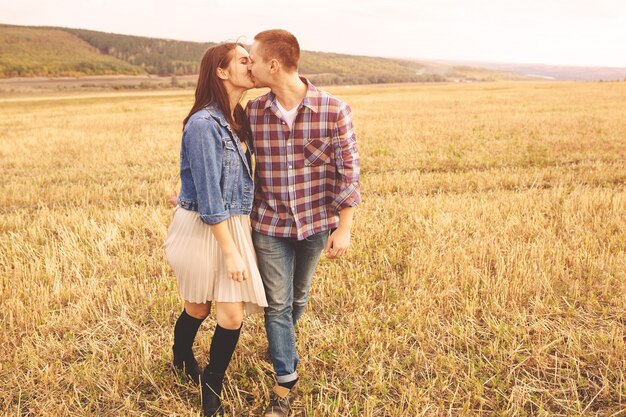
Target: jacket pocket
317,151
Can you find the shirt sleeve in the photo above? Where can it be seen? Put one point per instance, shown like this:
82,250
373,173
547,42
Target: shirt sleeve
347,161
203,144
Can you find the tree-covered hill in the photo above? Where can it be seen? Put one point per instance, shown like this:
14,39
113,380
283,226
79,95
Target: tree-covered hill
27,51
155,56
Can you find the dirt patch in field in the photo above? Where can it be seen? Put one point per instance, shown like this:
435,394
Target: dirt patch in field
21,85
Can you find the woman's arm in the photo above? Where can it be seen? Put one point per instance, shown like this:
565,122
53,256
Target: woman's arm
205,152
203,148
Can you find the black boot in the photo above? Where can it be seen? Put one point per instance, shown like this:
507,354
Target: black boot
222,348
186,364
185,332
211,391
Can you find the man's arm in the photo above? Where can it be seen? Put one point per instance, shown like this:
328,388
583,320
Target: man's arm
347,165
339,240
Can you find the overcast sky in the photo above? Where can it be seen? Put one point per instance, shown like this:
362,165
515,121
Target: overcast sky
567,32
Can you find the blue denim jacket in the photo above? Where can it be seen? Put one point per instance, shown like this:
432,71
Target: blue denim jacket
214,172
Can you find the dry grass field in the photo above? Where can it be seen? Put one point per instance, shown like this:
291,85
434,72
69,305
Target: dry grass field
486,277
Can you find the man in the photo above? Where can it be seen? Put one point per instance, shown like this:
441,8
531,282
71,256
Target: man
307,186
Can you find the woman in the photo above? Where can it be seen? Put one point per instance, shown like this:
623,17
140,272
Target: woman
209,244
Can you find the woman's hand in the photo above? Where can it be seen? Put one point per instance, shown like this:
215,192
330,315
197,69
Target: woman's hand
236,267
172,199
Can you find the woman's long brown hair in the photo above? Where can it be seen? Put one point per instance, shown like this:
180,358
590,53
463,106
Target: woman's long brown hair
210,89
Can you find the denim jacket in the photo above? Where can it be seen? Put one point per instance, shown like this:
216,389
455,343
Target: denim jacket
214,172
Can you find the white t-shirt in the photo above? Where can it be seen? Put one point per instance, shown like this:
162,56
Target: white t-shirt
288,116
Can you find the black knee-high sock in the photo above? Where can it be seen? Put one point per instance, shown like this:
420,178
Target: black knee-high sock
185,332
222,348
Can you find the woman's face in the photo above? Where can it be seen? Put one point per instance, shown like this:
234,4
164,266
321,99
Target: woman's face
237,70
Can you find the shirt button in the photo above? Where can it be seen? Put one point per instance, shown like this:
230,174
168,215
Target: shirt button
289,166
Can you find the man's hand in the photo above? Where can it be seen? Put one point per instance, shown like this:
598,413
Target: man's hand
338,243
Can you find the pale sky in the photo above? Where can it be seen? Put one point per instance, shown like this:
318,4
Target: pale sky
561,32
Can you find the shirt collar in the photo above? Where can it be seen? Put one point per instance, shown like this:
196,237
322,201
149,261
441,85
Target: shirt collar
311,99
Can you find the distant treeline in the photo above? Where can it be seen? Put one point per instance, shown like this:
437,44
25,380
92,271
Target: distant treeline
27,51
330,68
169,57
50,51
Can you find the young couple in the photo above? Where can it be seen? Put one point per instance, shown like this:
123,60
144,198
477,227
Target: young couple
253,246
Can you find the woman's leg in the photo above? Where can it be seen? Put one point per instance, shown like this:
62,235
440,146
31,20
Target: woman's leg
229,320
185,332
198,311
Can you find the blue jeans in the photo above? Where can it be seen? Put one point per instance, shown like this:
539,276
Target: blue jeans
286,267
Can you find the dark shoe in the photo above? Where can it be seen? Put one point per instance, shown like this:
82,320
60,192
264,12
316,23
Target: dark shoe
188,366
279,405
211,390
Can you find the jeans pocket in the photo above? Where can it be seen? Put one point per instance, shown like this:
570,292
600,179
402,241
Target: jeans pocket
316,243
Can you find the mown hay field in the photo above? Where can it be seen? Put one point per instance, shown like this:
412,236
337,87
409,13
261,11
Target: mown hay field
486,275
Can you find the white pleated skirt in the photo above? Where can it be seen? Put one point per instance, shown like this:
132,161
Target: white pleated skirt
198,261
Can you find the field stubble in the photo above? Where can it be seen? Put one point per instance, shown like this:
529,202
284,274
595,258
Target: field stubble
486,274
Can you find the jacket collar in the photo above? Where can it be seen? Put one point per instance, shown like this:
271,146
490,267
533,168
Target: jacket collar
217,114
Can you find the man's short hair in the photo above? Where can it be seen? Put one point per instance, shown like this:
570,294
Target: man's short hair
281,45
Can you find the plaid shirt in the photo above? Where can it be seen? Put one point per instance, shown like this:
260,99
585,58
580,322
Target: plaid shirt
306,175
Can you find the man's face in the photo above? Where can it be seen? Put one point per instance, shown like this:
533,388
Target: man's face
259,69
